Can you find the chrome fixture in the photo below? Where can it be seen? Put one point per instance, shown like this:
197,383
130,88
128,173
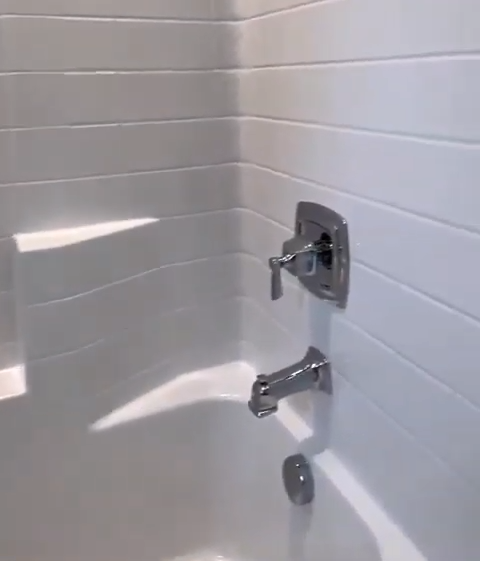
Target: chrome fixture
298,480
300,258
311,373
318,255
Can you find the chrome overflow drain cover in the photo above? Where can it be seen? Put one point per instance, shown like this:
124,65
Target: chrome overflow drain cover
298,480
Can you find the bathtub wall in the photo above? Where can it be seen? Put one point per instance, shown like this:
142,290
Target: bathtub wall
372,108
129,142
118,168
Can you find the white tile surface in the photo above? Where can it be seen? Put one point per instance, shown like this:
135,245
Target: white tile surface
418,173
7,252
66,272
370,108
7,317
119,44
178,340
148,136
395,385
420,330
375,30
48,205
424,97
69,153
251,8
436,509
186,9
116,97
10,355
68,325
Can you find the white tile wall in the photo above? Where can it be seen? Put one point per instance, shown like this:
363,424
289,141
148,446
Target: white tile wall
371,108
126,354
366,106
63,273
114,111
67,325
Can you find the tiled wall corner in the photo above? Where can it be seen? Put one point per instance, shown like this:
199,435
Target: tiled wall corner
10,348
119,150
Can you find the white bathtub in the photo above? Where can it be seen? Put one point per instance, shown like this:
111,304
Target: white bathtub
186,472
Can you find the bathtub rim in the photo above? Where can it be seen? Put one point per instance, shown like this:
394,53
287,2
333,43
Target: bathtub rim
232,382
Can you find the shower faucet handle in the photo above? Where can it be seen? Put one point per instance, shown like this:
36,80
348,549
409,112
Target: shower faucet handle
276,265
300,258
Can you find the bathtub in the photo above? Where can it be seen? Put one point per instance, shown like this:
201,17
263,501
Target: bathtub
185,472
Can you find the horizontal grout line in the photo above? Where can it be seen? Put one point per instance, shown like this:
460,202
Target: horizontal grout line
427,56
289,230
417,292
289,9
127,280
106,125
235,117
124,330
408,361
238,69
113,176
432,298
374,202
102,70
452,472
455,56
75,351
122,72
119,18
424,139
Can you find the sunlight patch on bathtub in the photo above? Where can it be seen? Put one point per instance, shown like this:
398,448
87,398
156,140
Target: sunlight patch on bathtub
230,381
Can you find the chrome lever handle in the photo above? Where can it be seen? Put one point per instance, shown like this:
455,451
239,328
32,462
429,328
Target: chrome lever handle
276,289
300,262
276,265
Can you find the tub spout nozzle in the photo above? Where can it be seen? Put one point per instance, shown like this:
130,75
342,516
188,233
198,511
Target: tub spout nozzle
311,373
